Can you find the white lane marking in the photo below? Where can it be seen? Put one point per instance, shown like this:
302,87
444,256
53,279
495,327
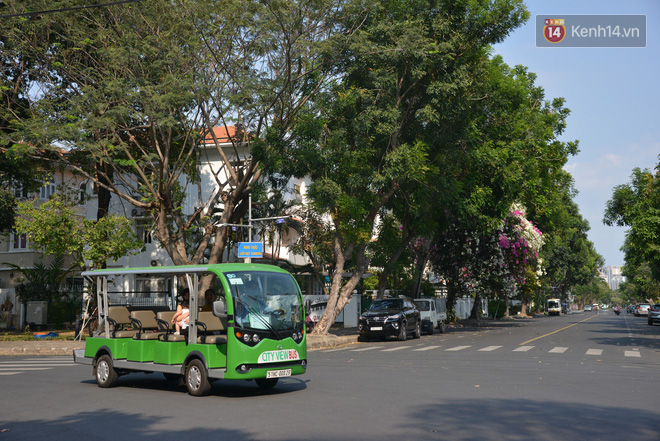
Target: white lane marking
558,350
427,348
458,348
632,353
523,349
489,348
594,352
398,348
369,348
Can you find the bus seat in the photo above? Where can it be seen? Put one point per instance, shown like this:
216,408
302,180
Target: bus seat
118,317
210,328
145,322
164,320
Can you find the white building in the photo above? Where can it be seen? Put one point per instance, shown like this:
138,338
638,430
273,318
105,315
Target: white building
16,249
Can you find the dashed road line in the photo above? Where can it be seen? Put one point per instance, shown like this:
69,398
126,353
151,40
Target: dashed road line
398,348
458,348
426,348
489,348
634,352
368,348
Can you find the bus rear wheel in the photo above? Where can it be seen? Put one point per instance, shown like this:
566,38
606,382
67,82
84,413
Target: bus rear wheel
197,380
266,383
105,373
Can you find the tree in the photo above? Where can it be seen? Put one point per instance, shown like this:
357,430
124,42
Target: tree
129,92
569,257
55,227
361,142
636,205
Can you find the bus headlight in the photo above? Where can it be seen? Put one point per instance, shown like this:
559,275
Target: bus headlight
255,338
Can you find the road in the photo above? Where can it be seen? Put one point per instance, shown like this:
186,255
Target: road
577,377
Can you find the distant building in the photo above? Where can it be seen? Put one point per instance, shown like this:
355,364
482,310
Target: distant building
613,276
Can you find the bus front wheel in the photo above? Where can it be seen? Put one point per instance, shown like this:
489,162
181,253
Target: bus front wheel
197,380
105,373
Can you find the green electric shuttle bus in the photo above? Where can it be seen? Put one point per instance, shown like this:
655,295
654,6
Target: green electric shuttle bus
253,329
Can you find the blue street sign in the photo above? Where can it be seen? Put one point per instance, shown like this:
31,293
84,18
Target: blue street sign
250,249
279,221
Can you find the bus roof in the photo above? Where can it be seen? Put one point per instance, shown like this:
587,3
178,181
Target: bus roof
185,269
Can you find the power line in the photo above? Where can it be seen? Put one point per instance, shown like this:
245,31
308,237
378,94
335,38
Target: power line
72,8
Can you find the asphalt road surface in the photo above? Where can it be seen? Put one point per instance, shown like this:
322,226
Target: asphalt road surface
590,376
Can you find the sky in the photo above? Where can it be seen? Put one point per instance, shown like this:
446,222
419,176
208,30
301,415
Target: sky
614,98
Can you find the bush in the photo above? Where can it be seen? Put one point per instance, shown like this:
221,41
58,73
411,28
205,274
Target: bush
496,308
63,310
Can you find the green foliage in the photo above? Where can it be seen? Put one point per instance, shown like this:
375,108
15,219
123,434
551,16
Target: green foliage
7,210
130,91
640,285
496,308
58,229
636,205
595,291
42,282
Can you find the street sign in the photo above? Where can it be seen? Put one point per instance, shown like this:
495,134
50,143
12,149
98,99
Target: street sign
250,249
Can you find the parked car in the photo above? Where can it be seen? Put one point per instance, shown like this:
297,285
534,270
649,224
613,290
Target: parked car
654,314
433,313
587,308
390,317
642,309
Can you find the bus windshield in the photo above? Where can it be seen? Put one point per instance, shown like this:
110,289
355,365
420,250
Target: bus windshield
265,300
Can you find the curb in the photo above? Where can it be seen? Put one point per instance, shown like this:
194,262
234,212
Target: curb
18,348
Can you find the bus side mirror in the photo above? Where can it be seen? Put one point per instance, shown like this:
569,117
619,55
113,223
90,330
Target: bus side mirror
220,308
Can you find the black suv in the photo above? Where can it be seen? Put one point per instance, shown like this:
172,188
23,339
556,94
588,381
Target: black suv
390,317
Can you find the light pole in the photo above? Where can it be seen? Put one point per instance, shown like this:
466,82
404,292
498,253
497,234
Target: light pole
279,219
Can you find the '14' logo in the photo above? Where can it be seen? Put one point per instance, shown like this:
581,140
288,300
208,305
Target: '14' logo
554,30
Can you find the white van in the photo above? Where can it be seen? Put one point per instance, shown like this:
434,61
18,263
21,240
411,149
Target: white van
554,307
433,312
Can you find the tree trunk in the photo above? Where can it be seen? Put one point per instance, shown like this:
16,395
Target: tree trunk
340,295
475,314
382,278
451,301
422,259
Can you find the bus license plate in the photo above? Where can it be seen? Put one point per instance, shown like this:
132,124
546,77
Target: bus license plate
278,373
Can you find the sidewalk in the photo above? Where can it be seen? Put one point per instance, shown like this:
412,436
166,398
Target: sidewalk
61,347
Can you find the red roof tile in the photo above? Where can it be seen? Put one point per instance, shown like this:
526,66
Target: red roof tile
222,133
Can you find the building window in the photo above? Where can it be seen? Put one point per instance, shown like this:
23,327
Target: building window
19,241
20,192
82,195
48,190
144,234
